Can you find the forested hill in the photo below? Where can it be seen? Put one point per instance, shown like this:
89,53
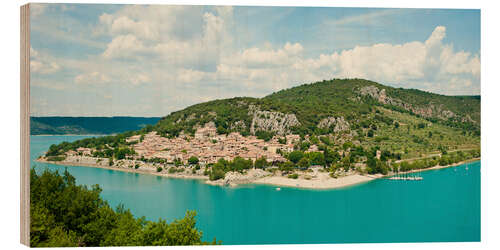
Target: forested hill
339,114
59,125
323,107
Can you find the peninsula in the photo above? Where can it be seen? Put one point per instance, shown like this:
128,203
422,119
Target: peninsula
327,134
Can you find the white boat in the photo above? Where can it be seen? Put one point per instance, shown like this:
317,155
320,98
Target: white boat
278,189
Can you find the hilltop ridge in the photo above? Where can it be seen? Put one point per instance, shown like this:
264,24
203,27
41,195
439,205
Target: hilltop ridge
303,108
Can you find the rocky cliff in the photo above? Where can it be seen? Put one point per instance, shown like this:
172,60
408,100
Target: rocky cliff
277,122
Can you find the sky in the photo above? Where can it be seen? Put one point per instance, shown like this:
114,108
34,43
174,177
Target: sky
150,60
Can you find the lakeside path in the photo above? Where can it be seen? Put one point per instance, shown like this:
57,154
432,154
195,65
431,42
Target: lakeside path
321,180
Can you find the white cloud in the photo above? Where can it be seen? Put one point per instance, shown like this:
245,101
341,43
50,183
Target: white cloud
43,68
191,76
430,62
124,46
92,78
40,64
429,65
164,52
260,58
183,36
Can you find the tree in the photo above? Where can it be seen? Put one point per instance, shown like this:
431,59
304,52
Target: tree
371,164
347,145
287,166
177,162
346,163
370,133
316,158
282,140
304,145
217,172
304,163
193,160
261,162
326,140
330,156
239,164
65,214
264,135
295,156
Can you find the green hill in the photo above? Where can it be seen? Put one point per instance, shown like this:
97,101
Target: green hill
355,116
355,100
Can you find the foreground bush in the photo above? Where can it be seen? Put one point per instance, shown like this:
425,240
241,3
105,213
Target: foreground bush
64,214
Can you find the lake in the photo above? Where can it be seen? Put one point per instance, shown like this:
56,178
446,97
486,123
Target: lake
445,206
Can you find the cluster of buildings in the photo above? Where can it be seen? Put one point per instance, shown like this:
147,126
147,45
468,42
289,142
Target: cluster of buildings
209,147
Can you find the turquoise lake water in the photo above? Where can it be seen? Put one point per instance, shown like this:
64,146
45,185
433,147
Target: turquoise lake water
445,206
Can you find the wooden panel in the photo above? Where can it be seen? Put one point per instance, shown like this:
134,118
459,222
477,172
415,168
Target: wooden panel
25,124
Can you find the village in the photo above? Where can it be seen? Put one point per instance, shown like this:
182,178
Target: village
209,147
151,153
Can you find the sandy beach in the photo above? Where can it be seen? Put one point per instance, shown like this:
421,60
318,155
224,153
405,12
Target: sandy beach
323,181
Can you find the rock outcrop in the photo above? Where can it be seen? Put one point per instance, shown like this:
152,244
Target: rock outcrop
339,123
238,125
277,122
235,178
427,111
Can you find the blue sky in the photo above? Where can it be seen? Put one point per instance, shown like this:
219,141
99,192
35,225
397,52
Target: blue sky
105,60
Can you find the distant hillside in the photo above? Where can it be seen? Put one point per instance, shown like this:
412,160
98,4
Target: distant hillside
59,125
309,109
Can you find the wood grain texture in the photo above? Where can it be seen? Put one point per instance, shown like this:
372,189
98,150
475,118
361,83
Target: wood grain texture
25,124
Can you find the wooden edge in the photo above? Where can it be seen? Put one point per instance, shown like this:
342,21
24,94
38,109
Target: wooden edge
25,124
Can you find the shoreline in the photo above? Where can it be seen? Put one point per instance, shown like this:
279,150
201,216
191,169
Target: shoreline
435,167
324,184
128,170
321,180
72,135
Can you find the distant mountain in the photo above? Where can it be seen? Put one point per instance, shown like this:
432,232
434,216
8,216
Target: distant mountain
60,125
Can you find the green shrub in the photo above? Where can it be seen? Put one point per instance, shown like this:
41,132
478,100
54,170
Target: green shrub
295,156
193,160
216,174
56,158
